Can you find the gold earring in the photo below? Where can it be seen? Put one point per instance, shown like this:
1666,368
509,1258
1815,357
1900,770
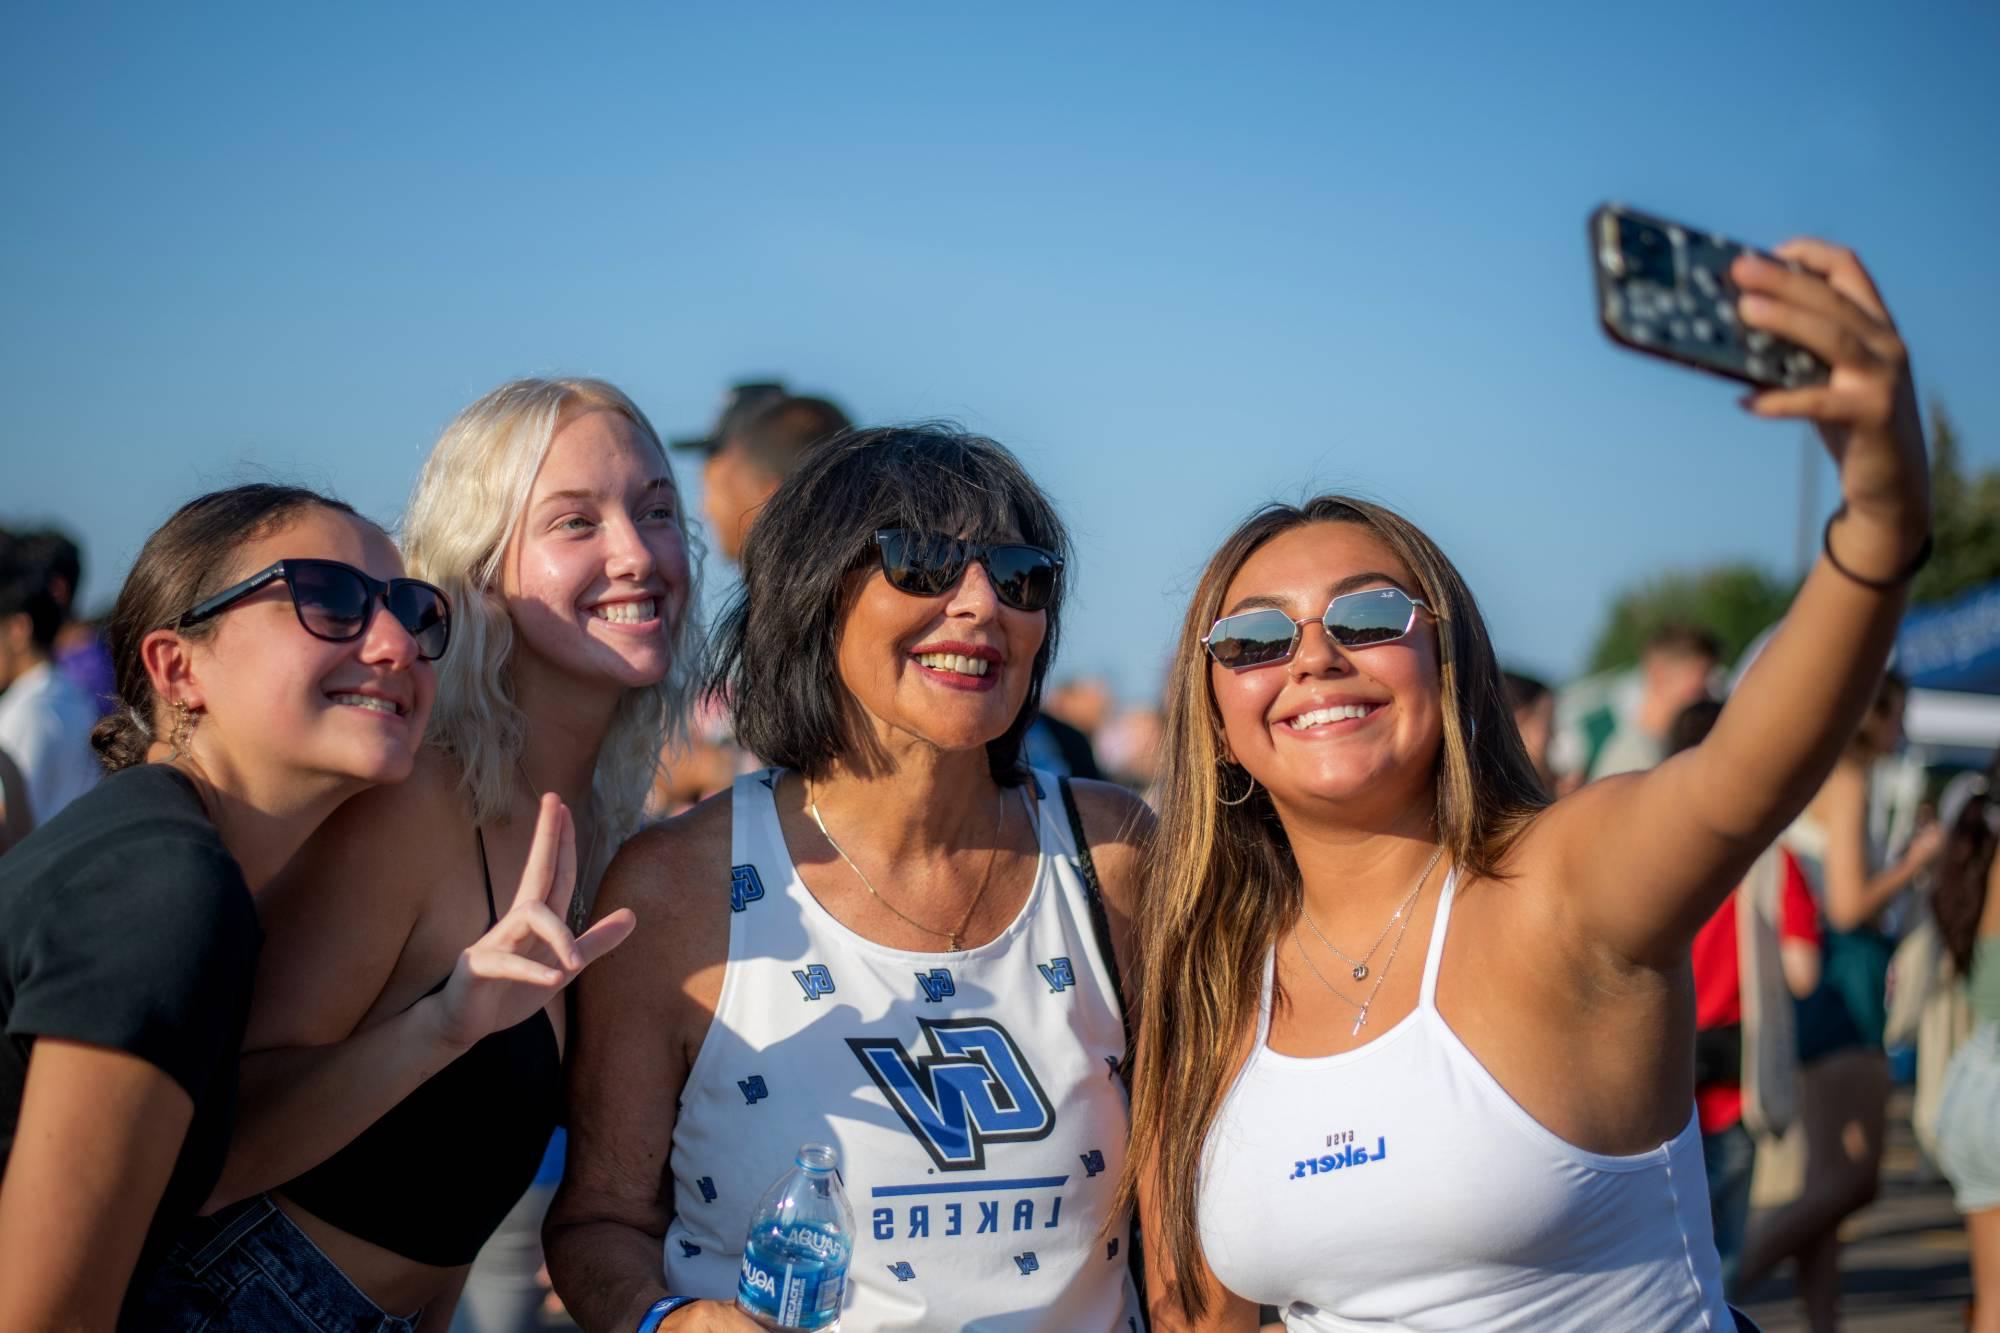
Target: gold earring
183,733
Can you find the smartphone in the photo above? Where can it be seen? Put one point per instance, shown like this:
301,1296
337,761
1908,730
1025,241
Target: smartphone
1664,289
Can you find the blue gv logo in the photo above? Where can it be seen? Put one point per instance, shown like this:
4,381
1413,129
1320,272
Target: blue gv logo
1058,973
744,887
972,1088
815,980
937,984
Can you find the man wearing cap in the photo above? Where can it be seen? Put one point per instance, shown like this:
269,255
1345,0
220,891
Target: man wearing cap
761,435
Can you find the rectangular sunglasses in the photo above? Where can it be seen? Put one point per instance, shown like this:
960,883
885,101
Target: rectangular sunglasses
1268,636
926,564
335,602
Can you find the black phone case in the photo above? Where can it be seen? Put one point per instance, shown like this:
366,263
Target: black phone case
1664,289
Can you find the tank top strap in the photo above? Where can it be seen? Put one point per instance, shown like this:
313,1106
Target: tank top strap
1434,956
486,877
757,851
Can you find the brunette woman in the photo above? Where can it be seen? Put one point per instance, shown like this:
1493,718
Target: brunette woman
898,941
403,1067
271,662
1415,1043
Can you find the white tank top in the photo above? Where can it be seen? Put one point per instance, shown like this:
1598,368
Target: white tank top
973,1097
1398,1186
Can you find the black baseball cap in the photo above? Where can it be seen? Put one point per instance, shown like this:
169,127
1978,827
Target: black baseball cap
739,405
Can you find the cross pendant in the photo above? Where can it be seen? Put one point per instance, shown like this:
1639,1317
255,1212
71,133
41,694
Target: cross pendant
1359,1021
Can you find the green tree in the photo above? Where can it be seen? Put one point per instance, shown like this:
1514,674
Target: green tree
1965,519
1734,602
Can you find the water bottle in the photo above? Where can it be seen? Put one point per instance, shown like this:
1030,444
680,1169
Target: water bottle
801,1236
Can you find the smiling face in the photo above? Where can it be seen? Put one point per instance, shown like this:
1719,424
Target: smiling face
951,671
1347,728
596,577
271,693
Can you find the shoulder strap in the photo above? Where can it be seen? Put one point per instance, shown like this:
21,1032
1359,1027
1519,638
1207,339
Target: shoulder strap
492,915
1100,924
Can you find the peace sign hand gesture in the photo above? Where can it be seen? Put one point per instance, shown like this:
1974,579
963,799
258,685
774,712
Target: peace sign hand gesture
529,954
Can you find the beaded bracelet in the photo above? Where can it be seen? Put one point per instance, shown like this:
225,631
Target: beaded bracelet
1902,576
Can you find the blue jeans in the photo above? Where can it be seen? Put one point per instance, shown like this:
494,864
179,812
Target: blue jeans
1729,1154
247,1269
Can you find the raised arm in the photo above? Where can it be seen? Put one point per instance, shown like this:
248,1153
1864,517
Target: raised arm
1643,860
321,1063
98,1135
635,1023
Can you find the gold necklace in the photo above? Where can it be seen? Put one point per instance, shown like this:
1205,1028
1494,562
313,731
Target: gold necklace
952,936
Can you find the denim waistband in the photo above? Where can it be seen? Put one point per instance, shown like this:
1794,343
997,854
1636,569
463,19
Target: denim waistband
255,1237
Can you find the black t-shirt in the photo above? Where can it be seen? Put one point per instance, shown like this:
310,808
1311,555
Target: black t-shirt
125,923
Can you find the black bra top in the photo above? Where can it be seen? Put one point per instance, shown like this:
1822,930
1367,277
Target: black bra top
432,1179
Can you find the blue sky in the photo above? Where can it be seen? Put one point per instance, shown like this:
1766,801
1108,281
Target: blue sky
1180,259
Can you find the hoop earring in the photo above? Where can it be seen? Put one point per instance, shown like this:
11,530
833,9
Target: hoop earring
182,735
1248,792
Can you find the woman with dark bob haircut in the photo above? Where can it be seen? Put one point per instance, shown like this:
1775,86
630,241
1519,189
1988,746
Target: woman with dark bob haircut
892,941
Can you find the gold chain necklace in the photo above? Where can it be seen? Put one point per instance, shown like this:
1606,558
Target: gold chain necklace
1362,1005
952,936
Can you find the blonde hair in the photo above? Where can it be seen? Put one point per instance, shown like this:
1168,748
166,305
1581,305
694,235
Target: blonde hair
1221,882
468,503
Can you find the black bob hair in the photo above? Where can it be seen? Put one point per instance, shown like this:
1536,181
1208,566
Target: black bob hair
774,660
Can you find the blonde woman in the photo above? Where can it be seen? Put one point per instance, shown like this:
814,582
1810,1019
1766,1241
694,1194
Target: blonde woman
402,1072
1416,1042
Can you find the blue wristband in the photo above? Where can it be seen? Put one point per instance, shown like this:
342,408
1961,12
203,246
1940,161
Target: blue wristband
659,1310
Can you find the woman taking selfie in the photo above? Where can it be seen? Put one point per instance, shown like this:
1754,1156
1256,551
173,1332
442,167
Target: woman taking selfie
890,942
271,662
403,1068
1415,1042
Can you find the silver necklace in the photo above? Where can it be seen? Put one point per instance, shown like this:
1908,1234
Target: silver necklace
1361,1006
1360,965
952,936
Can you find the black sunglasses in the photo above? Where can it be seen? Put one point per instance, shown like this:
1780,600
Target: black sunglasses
925,564
335,602
1353,620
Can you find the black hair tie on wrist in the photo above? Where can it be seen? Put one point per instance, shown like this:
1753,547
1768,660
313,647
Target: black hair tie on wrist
1902,576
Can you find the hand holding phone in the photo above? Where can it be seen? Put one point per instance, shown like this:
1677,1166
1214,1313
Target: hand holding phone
1667,290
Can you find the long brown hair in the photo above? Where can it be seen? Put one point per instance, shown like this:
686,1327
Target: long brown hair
1221,882
1964,870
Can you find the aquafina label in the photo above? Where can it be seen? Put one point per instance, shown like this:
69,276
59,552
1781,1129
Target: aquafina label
794,1270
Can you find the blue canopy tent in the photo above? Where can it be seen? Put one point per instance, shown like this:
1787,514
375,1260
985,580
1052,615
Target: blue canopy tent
1953,645
1950,652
